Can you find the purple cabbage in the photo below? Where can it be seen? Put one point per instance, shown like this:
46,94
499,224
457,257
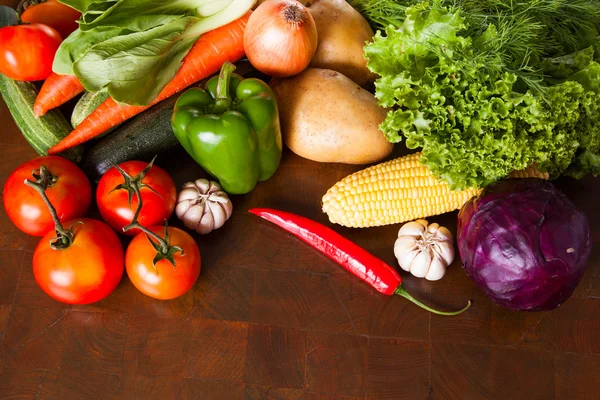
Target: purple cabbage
524,243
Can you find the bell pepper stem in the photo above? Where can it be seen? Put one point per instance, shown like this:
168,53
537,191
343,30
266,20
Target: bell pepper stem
43,180
402,292
223,100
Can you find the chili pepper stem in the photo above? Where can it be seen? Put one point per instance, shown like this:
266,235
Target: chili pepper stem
402,292
223,100
43,180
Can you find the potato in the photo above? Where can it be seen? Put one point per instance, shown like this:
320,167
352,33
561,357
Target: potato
327,117
342,33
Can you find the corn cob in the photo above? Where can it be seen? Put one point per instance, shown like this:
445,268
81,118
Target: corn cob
397,191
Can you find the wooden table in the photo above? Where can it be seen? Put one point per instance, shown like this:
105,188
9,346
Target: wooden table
270,318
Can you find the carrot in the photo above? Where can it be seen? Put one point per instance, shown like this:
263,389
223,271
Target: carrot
204,59
56,90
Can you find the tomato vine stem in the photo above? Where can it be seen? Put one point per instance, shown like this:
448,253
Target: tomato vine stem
133,185
43,180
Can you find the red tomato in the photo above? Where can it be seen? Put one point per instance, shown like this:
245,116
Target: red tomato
87,271
70,195
53,14
114,204
27,51
165,281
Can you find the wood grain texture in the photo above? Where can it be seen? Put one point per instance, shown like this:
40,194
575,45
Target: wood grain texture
139,386
217,350
576,376
150,349
22,384
276,357
10,274
4,315
271,319
96,341
460,371
34,338
254,392
78,385
336,364
194,389
318,396
397,369
228,298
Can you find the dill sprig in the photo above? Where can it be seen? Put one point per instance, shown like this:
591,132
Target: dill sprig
382,13
526,31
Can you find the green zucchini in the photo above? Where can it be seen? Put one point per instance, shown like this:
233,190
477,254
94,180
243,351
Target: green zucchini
86,105
41,133
141,139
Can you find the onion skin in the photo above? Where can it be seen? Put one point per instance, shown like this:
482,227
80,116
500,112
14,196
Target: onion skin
524,244
280,39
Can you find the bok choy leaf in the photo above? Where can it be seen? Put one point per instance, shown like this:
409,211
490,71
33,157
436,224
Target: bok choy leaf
134,48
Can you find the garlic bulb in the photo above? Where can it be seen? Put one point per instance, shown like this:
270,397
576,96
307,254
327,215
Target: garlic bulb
424,250
203,206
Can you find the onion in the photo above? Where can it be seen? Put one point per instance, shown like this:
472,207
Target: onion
280,38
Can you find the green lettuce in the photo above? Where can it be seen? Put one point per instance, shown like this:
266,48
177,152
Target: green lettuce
475,117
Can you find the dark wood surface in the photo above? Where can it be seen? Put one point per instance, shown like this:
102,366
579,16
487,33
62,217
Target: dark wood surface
270,318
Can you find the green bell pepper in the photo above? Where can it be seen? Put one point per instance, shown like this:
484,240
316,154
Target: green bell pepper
231,128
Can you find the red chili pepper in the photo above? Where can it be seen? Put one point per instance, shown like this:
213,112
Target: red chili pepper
352,257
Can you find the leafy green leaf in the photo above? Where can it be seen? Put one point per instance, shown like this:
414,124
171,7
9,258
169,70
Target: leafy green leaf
79,5
79,43
135,67
122,12
525,31
453,92
586,163
589,77
8,16
133,48
423,32
563,67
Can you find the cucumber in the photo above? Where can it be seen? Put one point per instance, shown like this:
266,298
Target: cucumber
41,133
141,139
86,105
